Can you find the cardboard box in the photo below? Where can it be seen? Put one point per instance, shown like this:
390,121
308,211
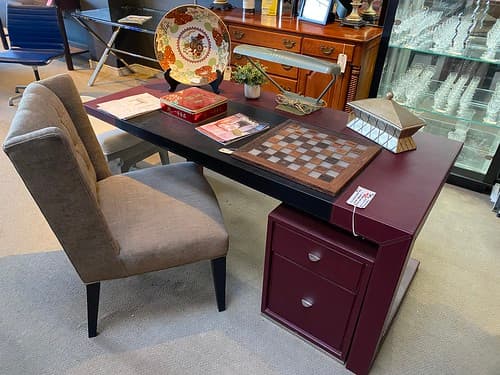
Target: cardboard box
193,104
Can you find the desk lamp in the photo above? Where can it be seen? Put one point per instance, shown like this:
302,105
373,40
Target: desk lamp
287,100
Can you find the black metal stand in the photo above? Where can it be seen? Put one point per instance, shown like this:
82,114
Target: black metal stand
221,6
174,83
355,24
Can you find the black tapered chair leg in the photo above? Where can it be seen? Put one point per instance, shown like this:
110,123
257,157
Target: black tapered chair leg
219,276
92,307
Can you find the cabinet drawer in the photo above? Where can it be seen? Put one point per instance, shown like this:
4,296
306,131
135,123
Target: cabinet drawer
310,305
326,49
261,38
317,256
272,68
287,83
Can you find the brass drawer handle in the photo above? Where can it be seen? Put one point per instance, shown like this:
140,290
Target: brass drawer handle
238,35
326,50
286,67
314,257
289,43
237,56
307,303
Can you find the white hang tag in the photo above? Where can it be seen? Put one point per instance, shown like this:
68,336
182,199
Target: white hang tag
342,61
361,197
227,73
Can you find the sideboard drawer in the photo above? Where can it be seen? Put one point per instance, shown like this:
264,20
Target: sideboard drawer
286,83
327,49
310,305
272,68
317,256
245,35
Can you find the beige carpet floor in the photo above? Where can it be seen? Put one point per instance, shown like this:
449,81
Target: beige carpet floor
449,322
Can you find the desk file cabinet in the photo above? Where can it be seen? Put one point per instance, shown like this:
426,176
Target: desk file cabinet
315,278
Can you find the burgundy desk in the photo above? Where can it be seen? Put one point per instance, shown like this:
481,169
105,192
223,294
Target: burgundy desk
407,186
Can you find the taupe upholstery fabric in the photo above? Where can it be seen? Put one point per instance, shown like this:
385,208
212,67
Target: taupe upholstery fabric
109,226
156,231
62,85
116,140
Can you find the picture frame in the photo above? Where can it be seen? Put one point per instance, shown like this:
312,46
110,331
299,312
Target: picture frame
317,11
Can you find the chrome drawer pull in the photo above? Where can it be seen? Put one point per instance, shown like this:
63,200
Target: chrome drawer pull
289,43
327,50
306,303
313,257
238,35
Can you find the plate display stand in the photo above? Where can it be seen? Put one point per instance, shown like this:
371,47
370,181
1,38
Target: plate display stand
173,83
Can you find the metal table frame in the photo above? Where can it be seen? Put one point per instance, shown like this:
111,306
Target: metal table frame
110,16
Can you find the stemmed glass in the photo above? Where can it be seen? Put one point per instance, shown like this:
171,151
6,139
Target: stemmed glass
493,106
492,42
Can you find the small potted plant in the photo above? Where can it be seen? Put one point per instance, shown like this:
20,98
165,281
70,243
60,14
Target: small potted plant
251,77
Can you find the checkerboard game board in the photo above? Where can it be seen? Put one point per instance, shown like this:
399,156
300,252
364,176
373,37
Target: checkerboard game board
316,157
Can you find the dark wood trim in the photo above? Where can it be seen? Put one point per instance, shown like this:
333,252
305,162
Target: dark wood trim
92,307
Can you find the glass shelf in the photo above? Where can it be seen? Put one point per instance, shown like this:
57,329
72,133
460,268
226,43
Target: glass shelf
472,54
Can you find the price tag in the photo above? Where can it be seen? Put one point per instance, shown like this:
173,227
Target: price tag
361,197
342,61
227,73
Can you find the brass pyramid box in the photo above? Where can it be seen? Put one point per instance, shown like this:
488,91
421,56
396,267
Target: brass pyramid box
385,122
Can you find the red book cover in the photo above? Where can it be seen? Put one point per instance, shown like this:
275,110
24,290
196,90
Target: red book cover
193,104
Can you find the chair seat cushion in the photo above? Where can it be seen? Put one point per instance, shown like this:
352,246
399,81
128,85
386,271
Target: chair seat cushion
116,140
29,57
156,230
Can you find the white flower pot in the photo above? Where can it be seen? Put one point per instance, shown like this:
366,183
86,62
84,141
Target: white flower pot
252,92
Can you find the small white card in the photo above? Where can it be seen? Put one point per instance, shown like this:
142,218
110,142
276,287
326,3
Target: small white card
342,61
361,197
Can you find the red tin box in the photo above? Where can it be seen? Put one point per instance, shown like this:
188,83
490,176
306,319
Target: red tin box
193,104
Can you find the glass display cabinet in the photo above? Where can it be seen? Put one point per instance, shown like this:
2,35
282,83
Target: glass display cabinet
441,60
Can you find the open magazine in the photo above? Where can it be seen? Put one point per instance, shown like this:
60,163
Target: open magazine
232,128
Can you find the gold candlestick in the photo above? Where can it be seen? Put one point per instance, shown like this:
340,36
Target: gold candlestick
369,13
354,19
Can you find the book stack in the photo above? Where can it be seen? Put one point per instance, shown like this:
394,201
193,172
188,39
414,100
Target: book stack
193,104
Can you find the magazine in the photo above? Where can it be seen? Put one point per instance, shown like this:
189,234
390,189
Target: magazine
232,128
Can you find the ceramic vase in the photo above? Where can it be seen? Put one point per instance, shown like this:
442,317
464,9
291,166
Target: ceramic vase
252,92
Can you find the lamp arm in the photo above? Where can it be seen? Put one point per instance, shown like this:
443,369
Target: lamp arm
266,75
332,81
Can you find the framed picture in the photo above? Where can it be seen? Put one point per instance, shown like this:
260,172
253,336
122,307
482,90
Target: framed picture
317,11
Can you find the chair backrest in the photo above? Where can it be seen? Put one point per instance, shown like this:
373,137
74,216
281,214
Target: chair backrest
55,151
34,27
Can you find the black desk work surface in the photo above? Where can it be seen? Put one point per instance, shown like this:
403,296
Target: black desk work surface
181,138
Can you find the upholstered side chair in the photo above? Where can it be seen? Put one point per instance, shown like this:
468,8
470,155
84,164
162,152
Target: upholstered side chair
110,226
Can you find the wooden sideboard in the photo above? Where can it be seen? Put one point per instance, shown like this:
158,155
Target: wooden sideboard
326,42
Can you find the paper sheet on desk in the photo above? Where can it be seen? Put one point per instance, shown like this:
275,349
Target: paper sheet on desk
139,20
131,106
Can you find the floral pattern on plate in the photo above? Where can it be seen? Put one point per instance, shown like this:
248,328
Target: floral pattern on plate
193,42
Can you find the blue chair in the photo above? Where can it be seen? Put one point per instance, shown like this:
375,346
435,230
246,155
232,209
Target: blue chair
36,38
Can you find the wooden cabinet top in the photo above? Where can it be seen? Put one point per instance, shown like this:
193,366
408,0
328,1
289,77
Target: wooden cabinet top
293,25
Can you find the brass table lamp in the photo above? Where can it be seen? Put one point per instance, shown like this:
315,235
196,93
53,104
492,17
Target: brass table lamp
287,100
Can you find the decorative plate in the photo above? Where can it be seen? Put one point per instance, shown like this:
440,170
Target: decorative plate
193,42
